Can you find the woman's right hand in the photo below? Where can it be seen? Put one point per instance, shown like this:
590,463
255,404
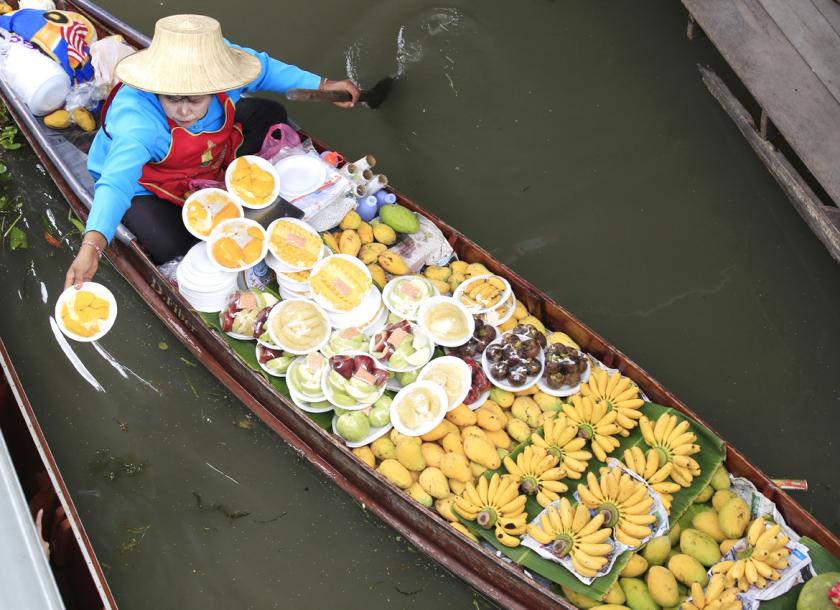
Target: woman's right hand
86,263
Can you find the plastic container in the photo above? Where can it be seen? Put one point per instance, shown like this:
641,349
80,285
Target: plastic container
35,78
358,406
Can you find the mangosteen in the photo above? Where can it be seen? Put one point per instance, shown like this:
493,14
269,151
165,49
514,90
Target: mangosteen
494,352
533,367
499,370
528,349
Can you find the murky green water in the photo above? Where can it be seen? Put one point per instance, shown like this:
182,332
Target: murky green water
577,143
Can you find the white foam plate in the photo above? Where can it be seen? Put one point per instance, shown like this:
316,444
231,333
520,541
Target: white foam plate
476,310
264,165
277,263
360,315
374,434
222,229
480,400
304,405
325,303
299,175
466,374
565,390
485,364
432,424
98,290
327,390
411,316
264,367
198,195
428,303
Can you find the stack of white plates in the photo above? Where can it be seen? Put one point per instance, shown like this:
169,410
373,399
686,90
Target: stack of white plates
202,283
290,281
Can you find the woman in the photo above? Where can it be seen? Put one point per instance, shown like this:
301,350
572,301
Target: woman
178,117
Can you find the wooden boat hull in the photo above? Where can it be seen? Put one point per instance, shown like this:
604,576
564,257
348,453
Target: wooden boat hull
77,572
505,583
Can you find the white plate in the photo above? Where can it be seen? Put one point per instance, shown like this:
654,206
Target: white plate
98,290
431,425
476,310
264,165
428,303
466,374
223,229
378,323
361,315
275,312
326,304
565,390
304,405
389,288
479,401
489,317
416,331
264,367
277,263
300,175
374,434
485,364
304,397
198,195
327,390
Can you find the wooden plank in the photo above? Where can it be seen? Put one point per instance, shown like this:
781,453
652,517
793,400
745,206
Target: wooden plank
830,9
813,37
796,100
799,193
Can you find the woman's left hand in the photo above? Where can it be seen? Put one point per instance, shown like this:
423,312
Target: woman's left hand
343,85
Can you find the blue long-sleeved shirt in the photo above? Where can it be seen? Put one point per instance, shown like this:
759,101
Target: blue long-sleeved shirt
139,133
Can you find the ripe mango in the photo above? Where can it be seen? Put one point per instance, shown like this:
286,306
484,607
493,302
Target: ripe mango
60,119
688,570
529,392
489,420
434,483
383,448
451,443
611,607
366,455
734,517
459,267
477,469
365,232
656,550
393,263
396,473
432,453
444,508
84,119
419,495
351,220
409,455
482,452
501,397
519,310
331,241
369,253
457,525
700,546
378,275
615,596
558,337
518,429
533,321
437,273
456,466
475,269
462,416
436,433
638,597
442,287
674,534
662,586
707,522
509,324
455,280
349,242
474,431
579,599
500,439
721,497
527,410
704,495
546,402
727,544
383,233
457,487
636,566
720,479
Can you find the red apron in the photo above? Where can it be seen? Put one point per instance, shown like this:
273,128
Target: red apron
191,156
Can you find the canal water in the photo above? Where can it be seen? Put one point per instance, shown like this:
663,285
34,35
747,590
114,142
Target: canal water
576,142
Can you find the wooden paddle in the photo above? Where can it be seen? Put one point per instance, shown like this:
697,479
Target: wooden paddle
372,97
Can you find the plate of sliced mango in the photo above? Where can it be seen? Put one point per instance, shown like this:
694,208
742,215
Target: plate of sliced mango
205,209
252,181
237,244
87,313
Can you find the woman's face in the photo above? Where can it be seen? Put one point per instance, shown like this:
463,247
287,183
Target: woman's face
185,109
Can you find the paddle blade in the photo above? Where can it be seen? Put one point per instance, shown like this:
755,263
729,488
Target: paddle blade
374,96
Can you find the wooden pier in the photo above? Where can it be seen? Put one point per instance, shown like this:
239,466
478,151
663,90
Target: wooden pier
787,55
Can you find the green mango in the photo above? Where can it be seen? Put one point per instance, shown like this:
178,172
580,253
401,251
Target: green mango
720,479
579,599
704,495
656,550
638,596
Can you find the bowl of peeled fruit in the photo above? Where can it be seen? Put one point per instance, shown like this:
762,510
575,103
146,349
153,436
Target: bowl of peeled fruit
205,209
252,181
237,244
86,314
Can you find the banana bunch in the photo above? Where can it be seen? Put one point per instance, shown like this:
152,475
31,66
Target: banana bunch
620,394
647,466
596,423
761,561
560,438
674,444
715,597
536,472
572,533
624,502
483,293
495,503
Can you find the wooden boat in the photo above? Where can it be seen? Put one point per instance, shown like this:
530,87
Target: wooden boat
76,571
505,583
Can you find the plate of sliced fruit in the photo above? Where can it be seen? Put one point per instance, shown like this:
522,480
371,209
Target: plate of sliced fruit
87,313
353,381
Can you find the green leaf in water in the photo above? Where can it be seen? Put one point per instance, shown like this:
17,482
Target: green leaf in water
17,239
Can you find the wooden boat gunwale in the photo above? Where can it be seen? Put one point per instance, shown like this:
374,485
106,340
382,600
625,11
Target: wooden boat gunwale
501,581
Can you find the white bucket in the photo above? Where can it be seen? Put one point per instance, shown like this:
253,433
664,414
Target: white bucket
36,79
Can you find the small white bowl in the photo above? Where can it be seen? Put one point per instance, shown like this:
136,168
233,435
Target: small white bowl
374,434
432,424
278,264
264,165
476,310
492,316
389,289
428,304
479,401
223,229
327,390
466,374
325,303
275,313
198,196
98,290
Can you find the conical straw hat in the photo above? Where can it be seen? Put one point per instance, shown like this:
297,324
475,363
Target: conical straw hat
188,56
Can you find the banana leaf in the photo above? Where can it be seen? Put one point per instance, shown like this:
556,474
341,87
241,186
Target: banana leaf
710,457
247,352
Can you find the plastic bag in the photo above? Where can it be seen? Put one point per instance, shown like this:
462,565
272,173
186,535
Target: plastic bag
86,95
272,145
105,54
